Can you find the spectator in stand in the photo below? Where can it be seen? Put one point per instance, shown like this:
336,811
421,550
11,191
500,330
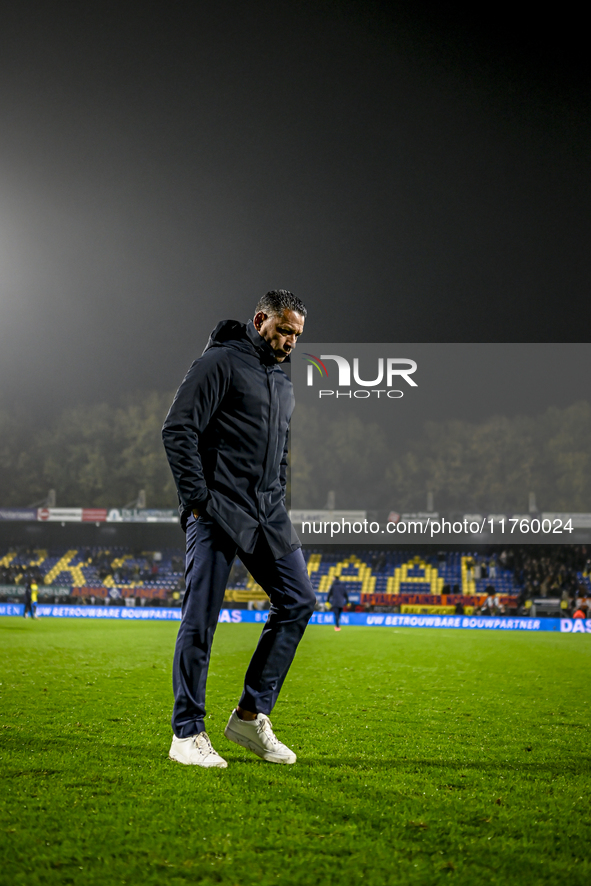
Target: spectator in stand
578,613
489,607
338,598
378,561
579,602
499,606
566,603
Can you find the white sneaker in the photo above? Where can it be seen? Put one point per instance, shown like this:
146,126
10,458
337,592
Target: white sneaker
258,736
196,750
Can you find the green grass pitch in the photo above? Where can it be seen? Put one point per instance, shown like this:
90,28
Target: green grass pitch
424,756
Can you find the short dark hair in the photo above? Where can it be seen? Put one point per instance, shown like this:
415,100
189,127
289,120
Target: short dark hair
277,301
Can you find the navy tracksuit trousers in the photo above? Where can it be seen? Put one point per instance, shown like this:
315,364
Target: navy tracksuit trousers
210,554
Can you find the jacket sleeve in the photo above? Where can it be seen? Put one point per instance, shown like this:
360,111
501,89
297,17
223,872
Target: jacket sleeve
196,401
283,467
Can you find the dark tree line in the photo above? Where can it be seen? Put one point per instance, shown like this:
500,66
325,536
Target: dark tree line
489,466
96,456
102,455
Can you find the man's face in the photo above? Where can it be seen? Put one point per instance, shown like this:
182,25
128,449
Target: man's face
281,332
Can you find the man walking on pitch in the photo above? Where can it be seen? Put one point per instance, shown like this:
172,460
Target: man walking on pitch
226,441
339,598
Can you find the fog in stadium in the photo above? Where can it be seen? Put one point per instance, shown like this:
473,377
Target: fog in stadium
413,175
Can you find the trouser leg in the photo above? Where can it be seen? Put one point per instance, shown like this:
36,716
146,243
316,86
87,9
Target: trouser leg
209,558
337,616
292,598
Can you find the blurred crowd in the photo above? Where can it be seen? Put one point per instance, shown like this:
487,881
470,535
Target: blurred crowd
543,579
552,572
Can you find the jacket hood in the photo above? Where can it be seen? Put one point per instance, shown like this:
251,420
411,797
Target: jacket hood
244,337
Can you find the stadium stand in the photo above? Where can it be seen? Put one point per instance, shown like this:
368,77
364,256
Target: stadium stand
385,579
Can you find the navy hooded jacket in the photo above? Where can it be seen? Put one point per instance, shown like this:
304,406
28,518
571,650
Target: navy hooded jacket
225,437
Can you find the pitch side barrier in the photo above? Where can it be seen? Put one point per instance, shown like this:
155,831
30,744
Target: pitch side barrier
244,616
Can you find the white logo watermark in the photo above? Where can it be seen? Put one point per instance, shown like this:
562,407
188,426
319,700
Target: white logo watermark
390,370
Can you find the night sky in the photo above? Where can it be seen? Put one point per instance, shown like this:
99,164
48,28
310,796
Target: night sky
412,175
